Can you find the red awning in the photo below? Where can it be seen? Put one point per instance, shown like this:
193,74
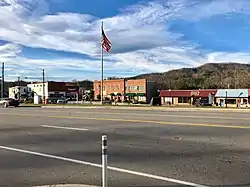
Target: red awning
187,93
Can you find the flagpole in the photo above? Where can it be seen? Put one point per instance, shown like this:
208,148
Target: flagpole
101,68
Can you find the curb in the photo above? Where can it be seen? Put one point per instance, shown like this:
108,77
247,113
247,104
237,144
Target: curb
66,185
73,107
153,108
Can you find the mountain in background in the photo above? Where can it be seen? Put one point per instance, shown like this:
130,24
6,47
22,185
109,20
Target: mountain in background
211,75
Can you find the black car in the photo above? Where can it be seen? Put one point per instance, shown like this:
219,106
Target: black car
6,102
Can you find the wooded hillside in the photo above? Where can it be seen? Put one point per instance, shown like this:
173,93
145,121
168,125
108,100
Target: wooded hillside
212,75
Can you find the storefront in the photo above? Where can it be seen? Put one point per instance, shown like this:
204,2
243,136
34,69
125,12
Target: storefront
232,97
186,97
139,97
115,96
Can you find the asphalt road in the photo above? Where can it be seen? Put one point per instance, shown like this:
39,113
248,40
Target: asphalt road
206,148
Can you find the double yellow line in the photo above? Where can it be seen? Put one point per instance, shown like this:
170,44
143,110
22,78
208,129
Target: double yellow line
134,121
145,114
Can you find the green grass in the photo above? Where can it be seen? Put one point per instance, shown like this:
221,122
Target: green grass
30,105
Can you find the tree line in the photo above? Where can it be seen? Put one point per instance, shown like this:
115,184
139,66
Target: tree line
208,76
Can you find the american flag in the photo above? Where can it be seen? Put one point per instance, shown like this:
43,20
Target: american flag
106,44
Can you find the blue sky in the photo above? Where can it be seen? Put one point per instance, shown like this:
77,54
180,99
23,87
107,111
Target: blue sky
63,36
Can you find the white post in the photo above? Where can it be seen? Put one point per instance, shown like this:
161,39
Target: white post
104,162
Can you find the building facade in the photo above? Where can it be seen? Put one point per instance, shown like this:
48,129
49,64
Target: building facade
216,97
187,97
111,89
37,89
54,89
18,91
141,90
232,97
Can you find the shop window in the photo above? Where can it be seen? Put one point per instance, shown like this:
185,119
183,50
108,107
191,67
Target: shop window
141,88
183,100
167,99
204,99
231,101
141,98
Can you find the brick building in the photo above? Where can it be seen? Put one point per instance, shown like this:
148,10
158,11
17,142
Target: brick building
138,89
111,89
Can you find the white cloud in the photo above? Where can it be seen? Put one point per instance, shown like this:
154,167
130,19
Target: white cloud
206,9
141,38
229,57
9,51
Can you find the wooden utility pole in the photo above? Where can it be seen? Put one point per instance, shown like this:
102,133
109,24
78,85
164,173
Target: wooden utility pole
43,88
19,88
2,82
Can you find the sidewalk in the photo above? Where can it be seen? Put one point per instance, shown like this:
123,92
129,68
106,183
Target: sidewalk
66,185
159,108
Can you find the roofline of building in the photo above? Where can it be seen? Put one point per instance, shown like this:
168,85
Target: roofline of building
190,90
40,82
114,80
110,80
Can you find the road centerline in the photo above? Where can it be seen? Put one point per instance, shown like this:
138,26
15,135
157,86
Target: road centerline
138,121
176,181
148,114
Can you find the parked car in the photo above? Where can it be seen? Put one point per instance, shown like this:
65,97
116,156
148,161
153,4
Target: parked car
51,101
61,101
202,102
6,102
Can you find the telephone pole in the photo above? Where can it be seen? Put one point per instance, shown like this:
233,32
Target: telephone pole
43,88
2,82
19,87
